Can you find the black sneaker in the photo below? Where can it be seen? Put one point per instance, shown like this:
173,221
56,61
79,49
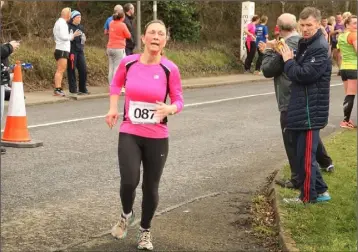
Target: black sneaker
285,183
3,150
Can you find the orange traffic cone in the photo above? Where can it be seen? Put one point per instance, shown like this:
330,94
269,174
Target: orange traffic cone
16,130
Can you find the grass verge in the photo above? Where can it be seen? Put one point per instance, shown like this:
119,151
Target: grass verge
327,226
193,61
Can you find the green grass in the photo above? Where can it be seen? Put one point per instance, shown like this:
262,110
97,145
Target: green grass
328,226
192,60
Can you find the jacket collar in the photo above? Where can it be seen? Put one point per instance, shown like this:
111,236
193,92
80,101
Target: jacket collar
313,38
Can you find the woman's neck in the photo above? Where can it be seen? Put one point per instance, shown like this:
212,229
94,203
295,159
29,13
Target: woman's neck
150,59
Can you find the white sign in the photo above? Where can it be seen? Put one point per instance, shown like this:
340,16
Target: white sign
247,12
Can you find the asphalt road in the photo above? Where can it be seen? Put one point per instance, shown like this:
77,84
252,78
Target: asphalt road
227,139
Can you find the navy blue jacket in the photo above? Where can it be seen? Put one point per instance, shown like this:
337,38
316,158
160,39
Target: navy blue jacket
310,73
76,45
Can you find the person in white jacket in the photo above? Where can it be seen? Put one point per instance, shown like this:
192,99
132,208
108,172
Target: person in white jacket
63,39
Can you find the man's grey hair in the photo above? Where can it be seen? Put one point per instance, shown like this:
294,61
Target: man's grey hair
287,22
118,8
311,12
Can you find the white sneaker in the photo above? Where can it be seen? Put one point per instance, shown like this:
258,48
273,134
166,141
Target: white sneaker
120,230
145,240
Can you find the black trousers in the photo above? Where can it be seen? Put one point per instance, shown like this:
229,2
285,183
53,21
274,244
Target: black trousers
290,143
250,54
259,60
152,153
77,60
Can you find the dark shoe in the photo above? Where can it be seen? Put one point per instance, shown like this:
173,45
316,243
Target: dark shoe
3,150
83,93
285,183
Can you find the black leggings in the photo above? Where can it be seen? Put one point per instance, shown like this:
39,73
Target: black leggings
348,107
132,150
250,55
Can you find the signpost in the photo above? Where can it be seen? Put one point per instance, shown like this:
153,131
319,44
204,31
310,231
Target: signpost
247,12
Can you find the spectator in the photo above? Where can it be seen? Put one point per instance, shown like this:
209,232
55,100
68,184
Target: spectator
310,72
118,33
117,8
63,40
272,66
128,20
250,43
77,57
338,29
261,35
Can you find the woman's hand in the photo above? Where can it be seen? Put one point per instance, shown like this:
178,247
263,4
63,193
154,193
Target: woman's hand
112,117
163,110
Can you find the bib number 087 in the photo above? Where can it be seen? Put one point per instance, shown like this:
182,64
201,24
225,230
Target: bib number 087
144,113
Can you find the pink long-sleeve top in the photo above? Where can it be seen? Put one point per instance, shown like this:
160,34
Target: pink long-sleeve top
145,85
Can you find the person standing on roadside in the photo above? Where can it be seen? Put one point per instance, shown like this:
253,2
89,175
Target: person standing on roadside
273,67
116,9
117,35
250,42
128,20
261,36
143,134
63,40
310,73
77,57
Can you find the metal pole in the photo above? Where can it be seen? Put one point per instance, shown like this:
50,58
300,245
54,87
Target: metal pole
155,10
139,32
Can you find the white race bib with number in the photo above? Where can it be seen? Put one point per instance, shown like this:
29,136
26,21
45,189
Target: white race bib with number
142,112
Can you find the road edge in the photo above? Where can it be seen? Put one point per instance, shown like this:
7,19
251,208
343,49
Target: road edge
285,240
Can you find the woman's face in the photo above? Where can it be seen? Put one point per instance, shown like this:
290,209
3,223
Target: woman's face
155,38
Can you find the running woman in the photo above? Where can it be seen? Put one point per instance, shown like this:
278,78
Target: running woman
347,44
143,135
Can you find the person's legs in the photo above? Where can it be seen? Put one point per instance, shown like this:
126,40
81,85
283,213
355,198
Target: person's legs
130,157
250,55
71,73
290,148
61,58
349,78
259,60
82,73
155,154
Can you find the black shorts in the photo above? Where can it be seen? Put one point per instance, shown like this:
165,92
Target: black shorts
59,54
348,75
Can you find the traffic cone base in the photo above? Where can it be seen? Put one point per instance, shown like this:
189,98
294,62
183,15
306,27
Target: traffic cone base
16,132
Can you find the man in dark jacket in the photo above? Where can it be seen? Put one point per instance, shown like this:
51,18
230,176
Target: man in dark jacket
77,57
273,66
128,20
310,72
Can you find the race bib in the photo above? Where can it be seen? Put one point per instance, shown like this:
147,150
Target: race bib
142,112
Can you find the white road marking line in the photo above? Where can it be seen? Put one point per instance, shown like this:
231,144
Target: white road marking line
187,105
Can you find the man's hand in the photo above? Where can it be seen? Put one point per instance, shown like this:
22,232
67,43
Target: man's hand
15,44
262,46
286,53
271,44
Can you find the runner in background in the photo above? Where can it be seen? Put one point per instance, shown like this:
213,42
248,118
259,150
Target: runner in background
143,135
250,42
347,44
261,36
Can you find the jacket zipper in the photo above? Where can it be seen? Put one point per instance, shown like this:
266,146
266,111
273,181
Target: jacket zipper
307,110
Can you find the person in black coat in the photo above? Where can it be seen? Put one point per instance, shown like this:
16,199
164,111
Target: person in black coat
77,57
310,72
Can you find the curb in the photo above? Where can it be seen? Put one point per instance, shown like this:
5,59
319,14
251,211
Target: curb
285,239
105,95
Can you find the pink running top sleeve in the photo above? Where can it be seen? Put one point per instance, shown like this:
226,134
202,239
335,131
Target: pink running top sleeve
148,84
